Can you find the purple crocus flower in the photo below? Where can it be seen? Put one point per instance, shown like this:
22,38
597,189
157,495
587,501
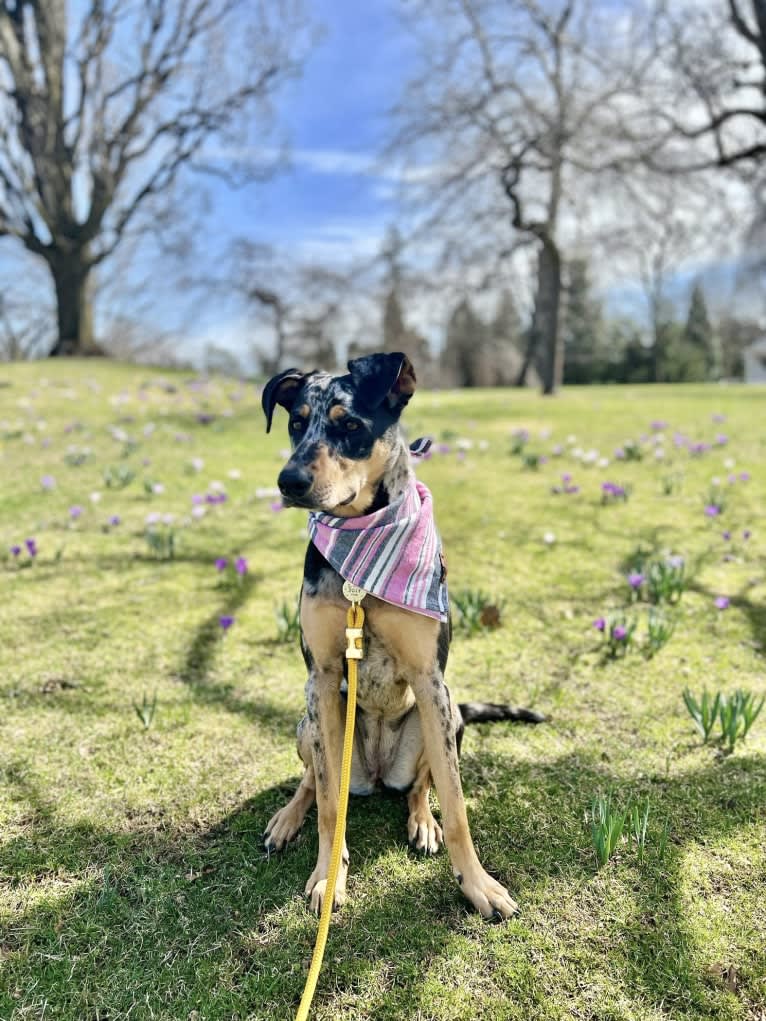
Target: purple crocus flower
599,624
197,498
712,510
443,448
114,520
744,476
718,417
31,547
15,550
225,621
75,512
726,535
240,566
722,439
698,448
746,534
571,490
722,602
731,479
566,477
618,632
276,506
221,563
48,482
635,580
658,425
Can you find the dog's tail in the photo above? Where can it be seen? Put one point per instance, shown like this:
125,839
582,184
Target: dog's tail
491,712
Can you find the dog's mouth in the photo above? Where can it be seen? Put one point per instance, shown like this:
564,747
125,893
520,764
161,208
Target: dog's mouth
307,503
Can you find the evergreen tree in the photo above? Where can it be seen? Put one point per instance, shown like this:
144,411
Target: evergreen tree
701,357
582,328
504,345
506,327
463,349
394,329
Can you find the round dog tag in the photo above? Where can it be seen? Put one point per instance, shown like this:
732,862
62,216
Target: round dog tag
353,593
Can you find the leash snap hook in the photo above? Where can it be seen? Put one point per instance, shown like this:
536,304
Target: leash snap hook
354,621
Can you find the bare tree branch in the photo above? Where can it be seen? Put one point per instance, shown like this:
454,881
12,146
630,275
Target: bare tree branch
91,129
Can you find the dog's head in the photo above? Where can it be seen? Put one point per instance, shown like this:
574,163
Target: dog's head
342,430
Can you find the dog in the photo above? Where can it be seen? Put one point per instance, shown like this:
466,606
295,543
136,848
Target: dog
350,466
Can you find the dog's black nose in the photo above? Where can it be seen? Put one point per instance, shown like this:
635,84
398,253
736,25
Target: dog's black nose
294,481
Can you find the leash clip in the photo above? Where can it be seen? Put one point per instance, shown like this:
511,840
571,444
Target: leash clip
354,621
354,643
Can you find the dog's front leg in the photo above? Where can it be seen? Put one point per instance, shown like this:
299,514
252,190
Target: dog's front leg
412,638
324,632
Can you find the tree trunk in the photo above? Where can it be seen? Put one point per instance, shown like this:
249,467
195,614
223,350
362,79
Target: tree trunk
74,309
530,351
545,324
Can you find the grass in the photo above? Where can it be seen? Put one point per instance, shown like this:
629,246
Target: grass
132,880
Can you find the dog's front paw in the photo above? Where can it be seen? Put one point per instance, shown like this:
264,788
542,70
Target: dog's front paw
423,831
488,896
283,827
316,888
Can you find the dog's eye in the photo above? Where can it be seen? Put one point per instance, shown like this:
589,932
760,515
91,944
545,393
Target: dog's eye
297,424
351,425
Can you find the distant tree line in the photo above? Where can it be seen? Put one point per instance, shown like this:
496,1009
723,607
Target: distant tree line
489,350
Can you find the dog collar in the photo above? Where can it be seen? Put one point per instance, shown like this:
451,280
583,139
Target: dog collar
394,553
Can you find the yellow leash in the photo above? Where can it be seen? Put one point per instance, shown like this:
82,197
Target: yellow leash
354,652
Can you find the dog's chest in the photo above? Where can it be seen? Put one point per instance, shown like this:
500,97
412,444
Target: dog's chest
381,688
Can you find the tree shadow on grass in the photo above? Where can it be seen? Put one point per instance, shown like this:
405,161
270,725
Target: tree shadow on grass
203,646
755,612
198,919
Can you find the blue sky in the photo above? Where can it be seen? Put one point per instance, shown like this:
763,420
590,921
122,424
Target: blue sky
334,119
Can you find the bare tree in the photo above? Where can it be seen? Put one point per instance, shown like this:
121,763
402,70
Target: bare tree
710,102
298,305
24,329
671,227
98,119
514,113
26,313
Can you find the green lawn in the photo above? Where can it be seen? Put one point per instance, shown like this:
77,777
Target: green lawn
132,878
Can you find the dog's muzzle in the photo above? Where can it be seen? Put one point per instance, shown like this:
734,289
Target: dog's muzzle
294,482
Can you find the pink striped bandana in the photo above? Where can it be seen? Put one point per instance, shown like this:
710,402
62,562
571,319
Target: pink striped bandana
395,553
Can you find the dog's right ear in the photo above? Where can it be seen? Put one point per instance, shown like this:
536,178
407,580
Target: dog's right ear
281,389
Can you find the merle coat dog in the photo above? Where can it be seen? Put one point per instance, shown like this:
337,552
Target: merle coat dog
349,457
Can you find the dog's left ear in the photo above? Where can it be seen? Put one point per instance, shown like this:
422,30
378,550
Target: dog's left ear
384,377
281,389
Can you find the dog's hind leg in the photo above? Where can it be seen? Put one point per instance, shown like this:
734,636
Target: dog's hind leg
410,772
285,824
